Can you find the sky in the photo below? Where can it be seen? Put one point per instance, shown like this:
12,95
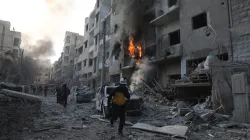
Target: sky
46,18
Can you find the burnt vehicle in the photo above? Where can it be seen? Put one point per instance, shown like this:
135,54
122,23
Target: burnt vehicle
82,94
134,105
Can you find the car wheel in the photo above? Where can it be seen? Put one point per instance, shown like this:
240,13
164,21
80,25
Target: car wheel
105,111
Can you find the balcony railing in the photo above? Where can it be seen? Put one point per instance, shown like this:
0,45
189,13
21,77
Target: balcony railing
171,14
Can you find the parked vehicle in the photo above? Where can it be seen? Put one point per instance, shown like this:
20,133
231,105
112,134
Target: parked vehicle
82,94
134,105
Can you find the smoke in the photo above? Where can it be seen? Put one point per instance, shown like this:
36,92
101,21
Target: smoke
38,49
40,42
142,72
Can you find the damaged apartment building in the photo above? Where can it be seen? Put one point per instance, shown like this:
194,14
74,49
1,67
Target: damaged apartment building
169,37
175,35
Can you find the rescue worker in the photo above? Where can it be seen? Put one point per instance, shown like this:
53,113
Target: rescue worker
65,93
118,103
45,88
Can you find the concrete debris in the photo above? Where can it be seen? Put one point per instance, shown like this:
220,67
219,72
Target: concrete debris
20,95
96,116
183,111
171,130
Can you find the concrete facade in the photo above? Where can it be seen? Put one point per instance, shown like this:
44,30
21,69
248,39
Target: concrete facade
240,27
180,39
68,57
42,76
177,34
10,40
88,61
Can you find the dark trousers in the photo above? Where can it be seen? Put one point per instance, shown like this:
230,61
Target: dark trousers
118,111
64,100
45,93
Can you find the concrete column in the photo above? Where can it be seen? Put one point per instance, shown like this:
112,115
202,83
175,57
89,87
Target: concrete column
183,66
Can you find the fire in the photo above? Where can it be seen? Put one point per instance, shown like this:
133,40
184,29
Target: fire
135,51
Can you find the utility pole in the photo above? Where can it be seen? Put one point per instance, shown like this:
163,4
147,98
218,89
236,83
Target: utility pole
104,56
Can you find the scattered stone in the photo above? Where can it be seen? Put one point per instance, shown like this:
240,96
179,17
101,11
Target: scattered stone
130,137
189,116
183,111
84,126
95,116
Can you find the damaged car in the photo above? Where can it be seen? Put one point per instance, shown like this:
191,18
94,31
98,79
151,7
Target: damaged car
82,94
134,104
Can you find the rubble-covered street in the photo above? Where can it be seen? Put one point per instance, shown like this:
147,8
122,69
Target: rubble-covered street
82,121
125,70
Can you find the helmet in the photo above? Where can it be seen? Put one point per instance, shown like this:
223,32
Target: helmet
123,81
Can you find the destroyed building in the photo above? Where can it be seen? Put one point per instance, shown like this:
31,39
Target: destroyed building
173,35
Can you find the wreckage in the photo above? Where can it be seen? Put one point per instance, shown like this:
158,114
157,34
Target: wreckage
82,94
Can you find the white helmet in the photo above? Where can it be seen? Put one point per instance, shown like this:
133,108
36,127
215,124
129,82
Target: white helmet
123,81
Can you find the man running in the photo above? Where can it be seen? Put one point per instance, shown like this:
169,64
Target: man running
118,99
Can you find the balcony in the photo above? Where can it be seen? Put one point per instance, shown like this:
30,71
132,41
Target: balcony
170,52
92,27
170,15
107,38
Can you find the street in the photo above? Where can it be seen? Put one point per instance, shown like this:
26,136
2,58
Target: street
74,122
82,122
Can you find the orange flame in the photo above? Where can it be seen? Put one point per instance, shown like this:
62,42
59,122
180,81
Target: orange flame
135,51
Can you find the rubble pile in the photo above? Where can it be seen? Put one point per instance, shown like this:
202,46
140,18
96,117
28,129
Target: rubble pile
152,92
15,116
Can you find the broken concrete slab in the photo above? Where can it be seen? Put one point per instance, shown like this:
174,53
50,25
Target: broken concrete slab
171,129
20,95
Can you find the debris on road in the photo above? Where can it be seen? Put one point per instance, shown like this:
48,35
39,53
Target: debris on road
172,130
20,95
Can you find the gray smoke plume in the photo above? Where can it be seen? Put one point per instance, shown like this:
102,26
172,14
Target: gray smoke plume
40,43
142,72
41,48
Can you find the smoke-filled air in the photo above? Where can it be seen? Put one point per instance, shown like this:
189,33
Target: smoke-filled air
141,73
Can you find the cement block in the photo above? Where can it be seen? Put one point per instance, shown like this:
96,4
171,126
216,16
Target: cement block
240,116
240,102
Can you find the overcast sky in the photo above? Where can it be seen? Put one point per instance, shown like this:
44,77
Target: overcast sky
47,18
